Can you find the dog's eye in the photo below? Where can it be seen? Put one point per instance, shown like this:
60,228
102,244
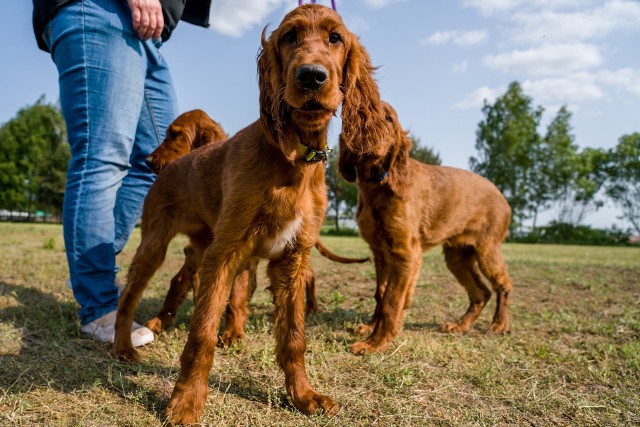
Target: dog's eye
290,37
389,118
334,38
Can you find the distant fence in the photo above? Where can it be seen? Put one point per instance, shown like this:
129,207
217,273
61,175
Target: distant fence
23,216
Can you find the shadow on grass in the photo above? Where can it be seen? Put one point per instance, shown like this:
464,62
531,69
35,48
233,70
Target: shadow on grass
52,354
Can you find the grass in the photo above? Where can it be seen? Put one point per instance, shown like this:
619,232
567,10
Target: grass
573,357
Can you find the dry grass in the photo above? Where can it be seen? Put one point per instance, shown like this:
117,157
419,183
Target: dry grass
573,357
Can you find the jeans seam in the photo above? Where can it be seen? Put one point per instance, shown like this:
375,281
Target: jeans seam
158,137
86,148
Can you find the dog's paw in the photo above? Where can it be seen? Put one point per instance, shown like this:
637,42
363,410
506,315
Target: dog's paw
364,329
155,325
312,403
230,337
368,346
182,408
498,329
126,354
454,328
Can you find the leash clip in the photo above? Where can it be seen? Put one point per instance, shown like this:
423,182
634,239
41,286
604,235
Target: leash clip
311,155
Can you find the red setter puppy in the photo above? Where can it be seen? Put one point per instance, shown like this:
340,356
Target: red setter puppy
261,193
189,131
405,208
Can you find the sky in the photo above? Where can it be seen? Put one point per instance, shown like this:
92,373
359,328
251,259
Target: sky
438,61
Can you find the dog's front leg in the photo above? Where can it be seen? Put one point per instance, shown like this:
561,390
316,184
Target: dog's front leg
403,270
218,270
288,288
382,277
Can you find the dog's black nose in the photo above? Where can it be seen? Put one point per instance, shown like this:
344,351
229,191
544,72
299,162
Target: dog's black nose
312,76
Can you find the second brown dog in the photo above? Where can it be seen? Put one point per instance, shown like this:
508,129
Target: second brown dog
406,207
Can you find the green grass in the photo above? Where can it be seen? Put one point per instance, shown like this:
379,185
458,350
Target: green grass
573,357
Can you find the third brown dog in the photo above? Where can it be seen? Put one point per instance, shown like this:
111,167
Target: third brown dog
405,208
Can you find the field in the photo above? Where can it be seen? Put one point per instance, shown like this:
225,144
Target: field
573,357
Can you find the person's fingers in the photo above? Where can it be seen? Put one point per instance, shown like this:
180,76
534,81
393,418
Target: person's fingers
159,25
147,18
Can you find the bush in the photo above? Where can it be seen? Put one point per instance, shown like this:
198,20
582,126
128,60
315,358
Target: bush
575,235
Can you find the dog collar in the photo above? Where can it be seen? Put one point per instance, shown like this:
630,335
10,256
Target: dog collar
378,178
311,155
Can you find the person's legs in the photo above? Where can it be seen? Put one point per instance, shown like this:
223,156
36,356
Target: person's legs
102,67
159,109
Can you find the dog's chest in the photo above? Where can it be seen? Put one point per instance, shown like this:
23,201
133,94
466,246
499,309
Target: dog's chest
283,237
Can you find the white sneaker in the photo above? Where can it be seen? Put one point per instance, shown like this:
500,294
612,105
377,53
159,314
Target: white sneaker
103,329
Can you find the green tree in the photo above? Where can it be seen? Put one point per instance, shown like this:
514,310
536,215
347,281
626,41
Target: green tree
582,194
508,146
33,159
342,195
423,154
623,184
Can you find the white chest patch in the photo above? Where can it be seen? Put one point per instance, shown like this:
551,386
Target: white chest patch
285,237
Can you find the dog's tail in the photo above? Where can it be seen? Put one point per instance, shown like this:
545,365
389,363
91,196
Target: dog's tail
337,258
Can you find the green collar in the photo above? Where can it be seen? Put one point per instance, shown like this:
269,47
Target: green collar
311,155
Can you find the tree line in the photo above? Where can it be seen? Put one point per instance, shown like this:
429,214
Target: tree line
536,172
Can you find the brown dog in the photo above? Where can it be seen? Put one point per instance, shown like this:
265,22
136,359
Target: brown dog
406,207
189,131
261,193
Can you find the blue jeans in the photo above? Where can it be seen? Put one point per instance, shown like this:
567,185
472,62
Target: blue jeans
117,98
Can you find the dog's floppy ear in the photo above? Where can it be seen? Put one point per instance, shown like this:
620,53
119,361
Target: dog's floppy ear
398,156
364,126
346,162
270,84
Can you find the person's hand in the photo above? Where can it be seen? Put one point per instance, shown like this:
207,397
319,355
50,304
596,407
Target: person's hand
148,21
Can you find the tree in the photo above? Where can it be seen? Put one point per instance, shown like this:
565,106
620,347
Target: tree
587,177
508,147
33,159
623,184
342,195
423,154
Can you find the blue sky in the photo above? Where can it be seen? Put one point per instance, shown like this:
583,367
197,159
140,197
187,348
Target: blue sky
438,60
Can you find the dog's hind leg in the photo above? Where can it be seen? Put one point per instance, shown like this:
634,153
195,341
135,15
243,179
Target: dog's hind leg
461,261
244,285
492,265
147,260
183,282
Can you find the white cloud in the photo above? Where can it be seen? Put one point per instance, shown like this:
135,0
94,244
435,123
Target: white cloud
574,88
615,15
549,60
476,98
460,38
626,79
570,89
489,7
235,17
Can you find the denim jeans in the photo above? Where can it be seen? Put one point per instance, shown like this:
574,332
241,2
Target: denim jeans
117,98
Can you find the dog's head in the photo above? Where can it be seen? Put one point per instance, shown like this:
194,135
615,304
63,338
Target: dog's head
190,130
393,161
309,66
